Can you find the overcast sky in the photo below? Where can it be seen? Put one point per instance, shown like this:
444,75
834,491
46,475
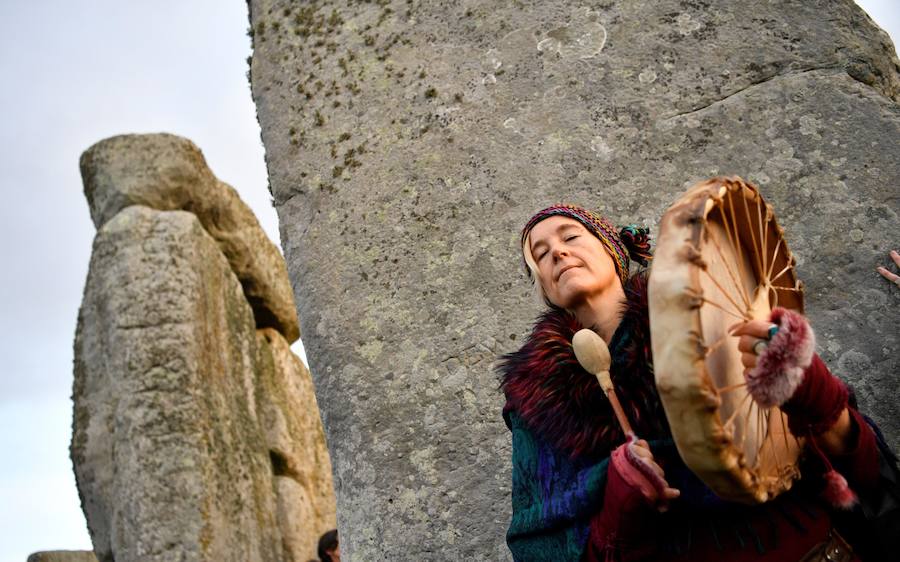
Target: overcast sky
75,72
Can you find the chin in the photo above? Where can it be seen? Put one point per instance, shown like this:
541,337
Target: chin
569,298
576,291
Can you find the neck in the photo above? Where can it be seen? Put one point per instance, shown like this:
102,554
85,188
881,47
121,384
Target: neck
603,311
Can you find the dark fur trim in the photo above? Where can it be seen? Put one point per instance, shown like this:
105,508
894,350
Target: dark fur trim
564,404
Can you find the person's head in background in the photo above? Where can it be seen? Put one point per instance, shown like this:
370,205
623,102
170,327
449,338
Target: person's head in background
329,551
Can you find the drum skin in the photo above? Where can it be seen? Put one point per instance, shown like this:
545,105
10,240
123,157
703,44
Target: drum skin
720,259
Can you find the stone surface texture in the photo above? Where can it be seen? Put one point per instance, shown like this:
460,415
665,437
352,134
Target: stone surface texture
196,435
290,420
63,556
167,172
407,143
166,446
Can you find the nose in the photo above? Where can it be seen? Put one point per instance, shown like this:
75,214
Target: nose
560,252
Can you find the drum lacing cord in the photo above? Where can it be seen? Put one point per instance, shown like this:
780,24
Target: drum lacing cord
735,525
715,534
672,542
773,530
757,541
791,519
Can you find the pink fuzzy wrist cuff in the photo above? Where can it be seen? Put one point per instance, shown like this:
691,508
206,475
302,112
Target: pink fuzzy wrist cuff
779,368
790,375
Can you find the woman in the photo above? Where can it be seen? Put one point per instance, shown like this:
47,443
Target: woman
580,492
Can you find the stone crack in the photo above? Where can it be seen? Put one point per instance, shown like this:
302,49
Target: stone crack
721,100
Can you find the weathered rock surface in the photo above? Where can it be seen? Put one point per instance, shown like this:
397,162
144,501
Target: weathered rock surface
196,435
63,556
169,456
166,172
407,143
290,420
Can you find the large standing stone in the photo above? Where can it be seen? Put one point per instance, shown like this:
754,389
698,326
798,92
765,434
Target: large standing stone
197,436
169,457
167,172
407,143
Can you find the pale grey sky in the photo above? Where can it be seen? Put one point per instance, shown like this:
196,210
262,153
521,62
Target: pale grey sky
75,72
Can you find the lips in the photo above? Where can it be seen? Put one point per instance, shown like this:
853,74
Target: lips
565,269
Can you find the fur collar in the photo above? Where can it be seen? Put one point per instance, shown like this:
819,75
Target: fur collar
564,404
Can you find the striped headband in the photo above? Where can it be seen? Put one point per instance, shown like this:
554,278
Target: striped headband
631,241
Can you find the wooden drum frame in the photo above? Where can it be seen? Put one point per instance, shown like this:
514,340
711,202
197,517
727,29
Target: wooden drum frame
721,259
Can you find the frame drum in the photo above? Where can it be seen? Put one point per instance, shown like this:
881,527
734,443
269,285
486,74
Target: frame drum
721,259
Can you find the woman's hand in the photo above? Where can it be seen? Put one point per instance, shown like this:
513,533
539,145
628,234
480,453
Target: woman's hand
754,337
635,489
792,377
635,464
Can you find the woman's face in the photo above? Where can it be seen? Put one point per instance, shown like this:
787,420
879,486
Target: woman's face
573,264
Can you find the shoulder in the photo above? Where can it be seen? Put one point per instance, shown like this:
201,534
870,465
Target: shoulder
550,339
529,375
555,398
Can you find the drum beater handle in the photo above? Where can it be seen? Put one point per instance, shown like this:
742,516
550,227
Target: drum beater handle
593,354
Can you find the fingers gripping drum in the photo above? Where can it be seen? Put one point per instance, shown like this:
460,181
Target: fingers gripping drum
782,360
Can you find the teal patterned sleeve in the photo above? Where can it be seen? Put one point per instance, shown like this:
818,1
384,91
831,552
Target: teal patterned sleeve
553,499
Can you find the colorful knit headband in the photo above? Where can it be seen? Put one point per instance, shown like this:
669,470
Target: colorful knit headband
631,241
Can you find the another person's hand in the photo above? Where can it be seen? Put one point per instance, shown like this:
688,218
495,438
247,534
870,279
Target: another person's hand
892,277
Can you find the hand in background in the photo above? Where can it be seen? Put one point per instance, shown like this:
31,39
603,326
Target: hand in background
892,277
